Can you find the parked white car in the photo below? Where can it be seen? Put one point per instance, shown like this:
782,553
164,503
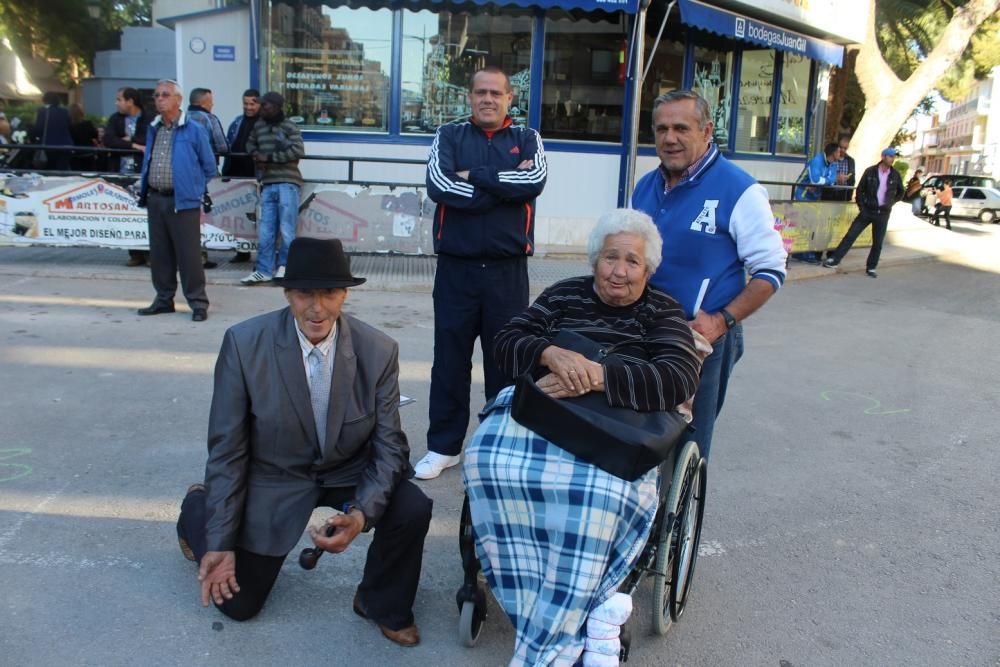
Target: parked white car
934,182
982,203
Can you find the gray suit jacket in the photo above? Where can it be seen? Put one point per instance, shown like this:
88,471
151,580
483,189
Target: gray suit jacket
265,472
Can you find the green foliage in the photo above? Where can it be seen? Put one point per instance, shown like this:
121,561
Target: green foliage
24,110
908,30
64,30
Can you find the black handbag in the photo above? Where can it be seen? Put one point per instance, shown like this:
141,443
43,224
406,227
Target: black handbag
621,441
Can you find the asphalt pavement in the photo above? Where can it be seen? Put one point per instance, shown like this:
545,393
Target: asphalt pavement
851,515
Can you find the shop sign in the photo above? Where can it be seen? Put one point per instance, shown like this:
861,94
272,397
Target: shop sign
224,52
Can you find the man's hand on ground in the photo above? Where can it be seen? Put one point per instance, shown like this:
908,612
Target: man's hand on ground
346,528
217,575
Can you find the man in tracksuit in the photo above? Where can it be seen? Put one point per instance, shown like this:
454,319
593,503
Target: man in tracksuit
717,227
176,168
484,173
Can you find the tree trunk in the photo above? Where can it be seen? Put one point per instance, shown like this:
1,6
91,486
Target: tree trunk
838,96
890,101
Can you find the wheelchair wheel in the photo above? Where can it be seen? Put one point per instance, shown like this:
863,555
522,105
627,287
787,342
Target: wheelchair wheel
470,623
672,538
690,538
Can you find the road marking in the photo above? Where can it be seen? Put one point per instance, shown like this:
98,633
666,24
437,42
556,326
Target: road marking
62,561
11,471
874,405
710,548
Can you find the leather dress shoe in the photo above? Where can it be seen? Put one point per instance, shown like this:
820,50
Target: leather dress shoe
156,309
199,315
408,636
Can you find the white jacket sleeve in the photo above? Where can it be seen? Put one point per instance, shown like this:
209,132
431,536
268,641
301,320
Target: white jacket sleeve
758,243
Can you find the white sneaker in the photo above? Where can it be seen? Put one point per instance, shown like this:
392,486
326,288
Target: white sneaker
256,278
433,464
280,273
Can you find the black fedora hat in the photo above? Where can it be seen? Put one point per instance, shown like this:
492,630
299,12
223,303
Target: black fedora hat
317,264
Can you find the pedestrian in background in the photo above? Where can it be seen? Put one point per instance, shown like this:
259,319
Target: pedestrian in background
126,129
200,111
242,166
845,172
912,194
944,196
51,128
820,170
85,135
276,146
880,187
175,173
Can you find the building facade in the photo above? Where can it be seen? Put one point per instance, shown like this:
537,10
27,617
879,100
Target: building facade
369,78
965,138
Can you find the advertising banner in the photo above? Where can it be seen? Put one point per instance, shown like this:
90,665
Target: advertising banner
816,226
76,211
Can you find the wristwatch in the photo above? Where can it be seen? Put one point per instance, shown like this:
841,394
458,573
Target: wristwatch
728,317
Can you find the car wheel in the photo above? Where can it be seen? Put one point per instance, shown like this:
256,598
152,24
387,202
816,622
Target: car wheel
987,216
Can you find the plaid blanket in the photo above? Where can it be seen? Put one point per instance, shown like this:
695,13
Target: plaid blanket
556,536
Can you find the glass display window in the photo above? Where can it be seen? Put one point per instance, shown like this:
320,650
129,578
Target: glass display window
713,80
666,73
583,79
331,63
753,119
793,105
441,52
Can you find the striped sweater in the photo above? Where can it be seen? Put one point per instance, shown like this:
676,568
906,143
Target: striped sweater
652,328
281,143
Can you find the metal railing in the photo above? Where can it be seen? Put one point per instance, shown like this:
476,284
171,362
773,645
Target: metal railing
352,167
77,151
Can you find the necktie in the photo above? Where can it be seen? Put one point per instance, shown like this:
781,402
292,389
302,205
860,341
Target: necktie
319,390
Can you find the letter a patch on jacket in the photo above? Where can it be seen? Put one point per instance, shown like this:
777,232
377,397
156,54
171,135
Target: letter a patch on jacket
705,222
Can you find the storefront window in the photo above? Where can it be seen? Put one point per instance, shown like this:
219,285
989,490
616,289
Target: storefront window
713,80
332,64
441,52
792,106
665,74
753,121
583,84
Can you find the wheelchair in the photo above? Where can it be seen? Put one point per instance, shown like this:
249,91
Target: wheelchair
668,557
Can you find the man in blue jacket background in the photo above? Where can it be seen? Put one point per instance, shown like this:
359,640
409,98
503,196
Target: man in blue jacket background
484,173
176,168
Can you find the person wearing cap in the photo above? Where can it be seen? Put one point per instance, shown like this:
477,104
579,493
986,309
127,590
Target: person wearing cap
276,146
880,187
305,414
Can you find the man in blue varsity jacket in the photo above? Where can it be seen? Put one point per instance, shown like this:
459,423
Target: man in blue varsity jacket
717,226
484,173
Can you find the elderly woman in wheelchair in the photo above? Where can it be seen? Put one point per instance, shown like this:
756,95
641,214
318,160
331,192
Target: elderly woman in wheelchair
555,535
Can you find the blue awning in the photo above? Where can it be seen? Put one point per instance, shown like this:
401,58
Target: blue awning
736,26
574,6
628,6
